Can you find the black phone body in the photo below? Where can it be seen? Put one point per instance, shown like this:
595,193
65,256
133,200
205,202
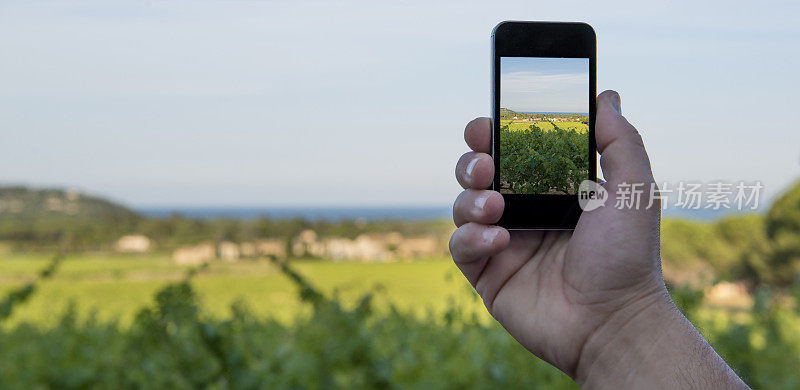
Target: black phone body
543,141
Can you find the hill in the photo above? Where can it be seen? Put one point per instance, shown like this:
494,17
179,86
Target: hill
53,215
507,114
26,203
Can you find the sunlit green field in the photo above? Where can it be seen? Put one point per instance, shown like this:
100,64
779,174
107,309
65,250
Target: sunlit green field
115,287
519,125
761,342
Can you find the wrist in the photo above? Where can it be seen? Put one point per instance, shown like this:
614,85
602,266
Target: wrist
623,344
650,344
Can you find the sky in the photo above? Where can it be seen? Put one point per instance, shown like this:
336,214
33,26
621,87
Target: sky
287,103
544,84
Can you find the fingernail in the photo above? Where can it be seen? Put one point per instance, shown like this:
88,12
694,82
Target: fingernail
616,104
480,201
471,166
490,234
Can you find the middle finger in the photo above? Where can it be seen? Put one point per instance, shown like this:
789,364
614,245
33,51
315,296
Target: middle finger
481,206
475,170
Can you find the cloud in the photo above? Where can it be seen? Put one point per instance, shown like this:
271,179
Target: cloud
535,91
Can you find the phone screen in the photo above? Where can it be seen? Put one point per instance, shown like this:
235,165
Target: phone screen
544,125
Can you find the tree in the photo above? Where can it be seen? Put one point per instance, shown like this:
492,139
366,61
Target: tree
783,231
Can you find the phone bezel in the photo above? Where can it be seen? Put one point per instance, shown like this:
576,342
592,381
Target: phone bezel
542,39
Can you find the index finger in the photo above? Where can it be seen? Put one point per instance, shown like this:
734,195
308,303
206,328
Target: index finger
478,135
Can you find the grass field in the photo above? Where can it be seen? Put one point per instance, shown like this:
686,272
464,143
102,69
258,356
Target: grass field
761,342
518,125
116,287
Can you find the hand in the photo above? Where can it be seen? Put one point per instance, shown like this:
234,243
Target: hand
586,300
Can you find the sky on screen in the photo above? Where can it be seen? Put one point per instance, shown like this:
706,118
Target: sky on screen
544,84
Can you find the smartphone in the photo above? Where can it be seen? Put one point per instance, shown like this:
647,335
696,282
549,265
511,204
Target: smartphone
543,114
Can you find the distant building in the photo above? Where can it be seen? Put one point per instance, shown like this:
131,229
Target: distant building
306,244
729,294
134,243
415,247
368,247
248,250
194,255
271,248
229,251
372,247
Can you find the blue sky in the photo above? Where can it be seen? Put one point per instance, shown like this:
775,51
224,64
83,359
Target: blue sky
544,84
363,103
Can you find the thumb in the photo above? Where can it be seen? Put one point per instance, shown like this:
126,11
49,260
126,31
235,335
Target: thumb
622,153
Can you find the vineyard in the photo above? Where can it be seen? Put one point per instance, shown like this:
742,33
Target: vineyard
174,343
541,160
366,342
114,287
544,125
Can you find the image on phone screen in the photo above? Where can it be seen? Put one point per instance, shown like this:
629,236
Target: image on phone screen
544,125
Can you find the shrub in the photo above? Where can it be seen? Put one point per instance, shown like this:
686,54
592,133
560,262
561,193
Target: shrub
535,161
